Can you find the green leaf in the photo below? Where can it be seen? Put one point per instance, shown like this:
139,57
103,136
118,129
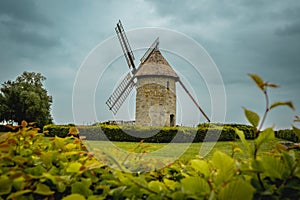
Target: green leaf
18,193
74,196
43,189
171,184
178,195
117,192
47,158
157,186
287,103
50,177
19,183
252,117
6,185
195,185
257,165
289,159
239,189
258,80
61,187
82,188
74,167
225,166
36,171
244,141
274,167
267,134
200,166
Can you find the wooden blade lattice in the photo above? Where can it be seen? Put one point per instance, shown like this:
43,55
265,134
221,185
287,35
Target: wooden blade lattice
125,45
120,94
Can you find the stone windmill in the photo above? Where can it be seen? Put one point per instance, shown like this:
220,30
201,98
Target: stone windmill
155,83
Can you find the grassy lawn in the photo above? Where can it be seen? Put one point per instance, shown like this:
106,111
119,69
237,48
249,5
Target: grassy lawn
182,151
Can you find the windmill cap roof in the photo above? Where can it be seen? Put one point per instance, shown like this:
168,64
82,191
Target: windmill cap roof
156,65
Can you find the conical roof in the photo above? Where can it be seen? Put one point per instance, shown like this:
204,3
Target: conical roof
156,65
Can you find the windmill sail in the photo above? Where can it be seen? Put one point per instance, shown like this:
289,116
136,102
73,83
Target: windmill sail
120,94
194,101
125,45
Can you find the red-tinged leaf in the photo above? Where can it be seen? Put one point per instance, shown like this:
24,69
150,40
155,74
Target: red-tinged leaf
258,80
271,85
31,123
12,141
5,147
287,103
24,124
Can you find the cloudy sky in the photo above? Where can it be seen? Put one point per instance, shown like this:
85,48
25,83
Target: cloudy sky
55,37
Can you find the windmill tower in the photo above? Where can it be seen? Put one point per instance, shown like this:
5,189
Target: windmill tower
155,83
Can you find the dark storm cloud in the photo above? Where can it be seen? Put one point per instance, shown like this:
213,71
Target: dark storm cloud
289,29
25,11
244,30
22,23
244,37
21,34
54,37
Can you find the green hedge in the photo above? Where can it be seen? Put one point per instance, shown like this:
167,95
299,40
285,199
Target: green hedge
249,131
157,135
52,130
287,134
204,132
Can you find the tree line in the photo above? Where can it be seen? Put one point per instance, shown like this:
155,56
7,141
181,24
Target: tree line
25,98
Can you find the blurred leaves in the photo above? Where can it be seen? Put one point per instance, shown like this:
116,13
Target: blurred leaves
258,80
287,103
252,117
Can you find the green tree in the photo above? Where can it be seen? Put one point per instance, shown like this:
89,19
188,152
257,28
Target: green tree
25,99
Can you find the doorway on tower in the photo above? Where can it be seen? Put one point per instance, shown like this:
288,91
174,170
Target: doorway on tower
172,120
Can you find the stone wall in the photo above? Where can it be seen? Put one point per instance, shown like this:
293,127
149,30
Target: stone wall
155,101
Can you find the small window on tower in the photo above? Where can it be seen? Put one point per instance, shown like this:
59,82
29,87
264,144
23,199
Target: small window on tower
168,84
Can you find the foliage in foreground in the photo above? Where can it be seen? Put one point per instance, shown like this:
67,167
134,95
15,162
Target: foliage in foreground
62,168
31,168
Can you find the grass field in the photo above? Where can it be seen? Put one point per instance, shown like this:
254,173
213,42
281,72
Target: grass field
182,151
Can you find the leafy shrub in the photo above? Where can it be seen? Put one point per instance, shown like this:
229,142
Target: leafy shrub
287,134
52,130
158,135
249,131
35,167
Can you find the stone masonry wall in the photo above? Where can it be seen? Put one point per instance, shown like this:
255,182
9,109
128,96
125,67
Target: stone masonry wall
155,101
